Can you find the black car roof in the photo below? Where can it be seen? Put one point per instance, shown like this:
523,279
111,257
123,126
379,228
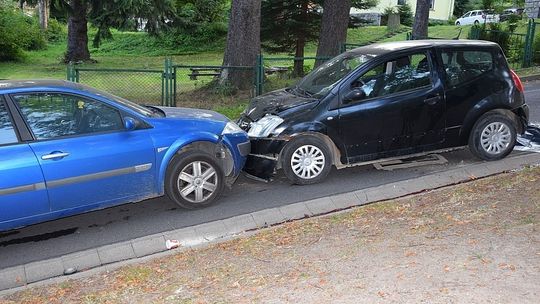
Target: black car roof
52,83
383,48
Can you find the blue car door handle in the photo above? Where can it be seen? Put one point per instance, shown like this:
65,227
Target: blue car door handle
54,155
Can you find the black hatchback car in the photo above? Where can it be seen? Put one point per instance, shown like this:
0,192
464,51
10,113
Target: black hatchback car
384,101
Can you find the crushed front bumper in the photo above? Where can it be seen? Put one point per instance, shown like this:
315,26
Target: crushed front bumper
263,161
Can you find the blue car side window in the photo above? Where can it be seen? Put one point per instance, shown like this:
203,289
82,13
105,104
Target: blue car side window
7,132
56,115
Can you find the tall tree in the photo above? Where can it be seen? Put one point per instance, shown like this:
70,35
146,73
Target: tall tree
421,19
335,21
287,25
77,41
44,11
43,7
243,42
105,14
460,7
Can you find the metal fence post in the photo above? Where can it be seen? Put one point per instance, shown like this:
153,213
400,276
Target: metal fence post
529,44
165,99
167,84
70,72
259,75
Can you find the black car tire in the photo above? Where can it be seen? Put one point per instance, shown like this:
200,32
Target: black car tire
185,164
458,24
311,156
491,124
476,22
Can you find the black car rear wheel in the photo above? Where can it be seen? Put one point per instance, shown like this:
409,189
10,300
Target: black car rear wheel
306,160
194,180
493,136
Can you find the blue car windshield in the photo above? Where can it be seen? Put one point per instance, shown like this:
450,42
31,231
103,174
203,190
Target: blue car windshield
129,104
319,82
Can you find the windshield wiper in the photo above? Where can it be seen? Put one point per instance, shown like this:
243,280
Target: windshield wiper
302,92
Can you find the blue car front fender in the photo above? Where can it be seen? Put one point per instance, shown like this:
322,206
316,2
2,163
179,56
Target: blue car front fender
178,145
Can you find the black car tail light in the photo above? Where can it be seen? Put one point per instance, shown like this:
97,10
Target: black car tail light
517,81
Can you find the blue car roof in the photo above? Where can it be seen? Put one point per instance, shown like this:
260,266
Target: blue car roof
6,85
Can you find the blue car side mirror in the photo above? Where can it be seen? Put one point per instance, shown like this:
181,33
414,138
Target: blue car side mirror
129,123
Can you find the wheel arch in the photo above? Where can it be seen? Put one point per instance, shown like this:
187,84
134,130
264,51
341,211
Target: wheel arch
336,153
473,117
208,142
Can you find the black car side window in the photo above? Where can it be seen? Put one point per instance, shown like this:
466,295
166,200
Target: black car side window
7,132
394,76
56,115
461,65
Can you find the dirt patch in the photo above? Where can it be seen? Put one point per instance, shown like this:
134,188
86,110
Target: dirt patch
472,243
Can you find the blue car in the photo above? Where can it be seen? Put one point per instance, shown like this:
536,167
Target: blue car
66,148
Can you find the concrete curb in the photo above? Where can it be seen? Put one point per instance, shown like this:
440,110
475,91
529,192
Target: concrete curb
188,237
530,78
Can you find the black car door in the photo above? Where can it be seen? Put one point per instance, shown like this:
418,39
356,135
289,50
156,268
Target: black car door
396,107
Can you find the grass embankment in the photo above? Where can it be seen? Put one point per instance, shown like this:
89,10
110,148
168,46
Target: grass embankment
478,239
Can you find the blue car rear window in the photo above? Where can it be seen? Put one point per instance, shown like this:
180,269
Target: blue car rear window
7,132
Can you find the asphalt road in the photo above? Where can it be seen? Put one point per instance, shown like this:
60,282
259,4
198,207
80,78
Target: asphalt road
90,230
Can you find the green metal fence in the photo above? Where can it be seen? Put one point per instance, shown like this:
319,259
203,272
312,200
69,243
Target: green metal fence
143,86
165,87
191,78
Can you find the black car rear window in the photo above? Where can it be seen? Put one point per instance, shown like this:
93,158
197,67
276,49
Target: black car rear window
7,132
464,65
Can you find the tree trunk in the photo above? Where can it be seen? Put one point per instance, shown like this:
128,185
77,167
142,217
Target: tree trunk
393,22
421,20
43,8
77,44
298,70
335,21
243,43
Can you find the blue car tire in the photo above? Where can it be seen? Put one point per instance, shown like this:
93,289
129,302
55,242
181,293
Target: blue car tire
194,180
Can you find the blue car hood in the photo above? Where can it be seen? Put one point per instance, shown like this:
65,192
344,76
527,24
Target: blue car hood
188,113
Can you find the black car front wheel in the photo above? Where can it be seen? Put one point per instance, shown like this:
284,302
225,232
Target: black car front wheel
306,160
194,180
493,136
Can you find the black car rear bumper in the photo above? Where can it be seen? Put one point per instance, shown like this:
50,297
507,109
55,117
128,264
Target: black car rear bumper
523,114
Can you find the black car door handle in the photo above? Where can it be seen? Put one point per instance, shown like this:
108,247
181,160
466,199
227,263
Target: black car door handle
432,100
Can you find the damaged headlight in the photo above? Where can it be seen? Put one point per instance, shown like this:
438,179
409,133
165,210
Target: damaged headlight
231,128
264,126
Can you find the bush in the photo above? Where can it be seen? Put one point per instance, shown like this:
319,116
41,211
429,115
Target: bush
18,33
208,36
56,31
405,14
433,22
